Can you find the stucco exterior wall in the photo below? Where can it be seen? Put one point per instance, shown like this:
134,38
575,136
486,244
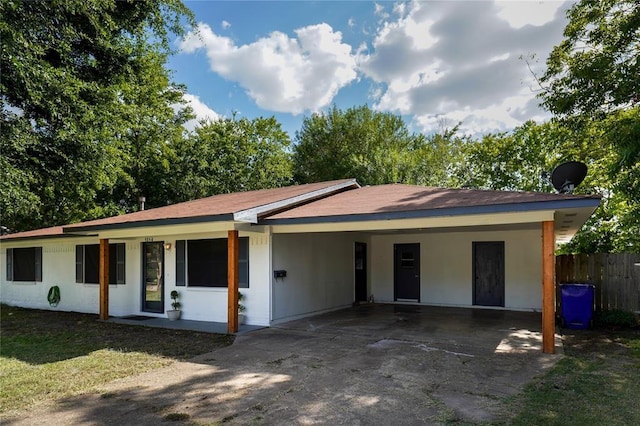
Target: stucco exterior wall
319,273
210,304
446,266
198,303
58,268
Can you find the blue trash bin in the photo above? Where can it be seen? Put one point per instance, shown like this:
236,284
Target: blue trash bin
577,305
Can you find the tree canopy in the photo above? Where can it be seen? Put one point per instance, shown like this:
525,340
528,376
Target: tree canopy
596,68
231,155
69,71
593,82
373,147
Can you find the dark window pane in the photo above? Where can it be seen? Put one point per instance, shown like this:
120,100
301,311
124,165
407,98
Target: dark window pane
91,263
406,259
207,263
24,264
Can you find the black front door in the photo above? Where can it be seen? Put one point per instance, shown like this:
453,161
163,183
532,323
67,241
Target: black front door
488,273
407,272
360,272
153,277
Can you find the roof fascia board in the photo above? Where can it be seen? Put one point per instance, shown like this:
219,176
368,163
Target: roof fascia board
252,215
45,237
444,212
420,223
148,223
173,230
248,227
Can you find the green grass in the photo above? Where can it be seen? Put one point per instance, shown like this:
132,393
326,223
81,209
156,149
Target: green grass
596,383
46,355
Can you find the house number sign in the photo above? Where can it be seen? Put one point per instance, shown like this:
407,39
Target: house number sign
148,239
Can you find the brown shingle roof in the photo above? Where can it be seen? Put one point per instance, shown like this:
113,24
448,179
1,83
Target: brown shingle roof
216,205
409,198
36,233
370,200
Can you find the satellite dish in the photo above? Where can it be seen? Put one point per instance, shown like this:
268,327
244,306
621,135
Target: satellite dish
568,175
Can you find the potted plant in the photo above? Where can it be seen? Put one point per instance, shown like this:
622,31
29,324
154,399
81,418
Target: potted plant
242,318
174,314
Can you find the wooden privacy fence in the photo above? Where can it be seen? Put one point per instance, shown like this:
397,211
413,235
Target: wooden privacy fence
616,278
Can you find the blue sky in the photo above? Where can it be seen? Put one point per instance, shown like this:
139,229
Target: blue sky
434,63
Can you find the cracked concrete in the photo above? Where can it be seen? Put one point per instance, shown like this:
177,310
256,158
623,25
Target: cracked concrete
373,364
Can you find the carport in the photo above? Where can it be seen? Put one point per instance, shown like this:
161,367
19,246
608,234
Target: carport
463,331
423,246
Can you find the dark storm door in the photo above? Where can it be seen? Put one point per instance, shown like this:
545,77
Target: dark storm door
360,272
407,272
153,277
488,273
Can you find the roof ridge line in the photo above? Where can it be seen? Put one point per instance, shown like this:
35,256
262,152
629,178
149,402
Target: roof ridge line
251,215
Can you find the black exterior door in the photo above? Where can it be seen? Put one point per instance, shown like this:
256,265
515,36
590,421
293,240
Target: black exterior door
488,273
360,272
407,272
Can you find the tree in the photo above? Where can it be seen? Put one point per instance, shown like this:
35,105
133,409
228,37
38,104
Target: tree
516,161
66,69
373,147
596,68
231,155
154,129
593,81
594,72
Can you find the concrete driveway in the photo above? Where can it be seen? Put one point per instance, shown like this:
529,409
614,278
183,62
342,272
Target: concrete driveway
372,364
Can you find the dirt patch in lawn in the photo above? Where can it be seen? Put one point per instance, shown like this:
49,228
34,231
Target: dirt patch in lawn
47,356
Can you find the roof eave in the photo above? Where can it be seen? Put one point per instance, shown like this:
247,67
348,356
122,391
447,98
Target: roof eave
452,211
148,223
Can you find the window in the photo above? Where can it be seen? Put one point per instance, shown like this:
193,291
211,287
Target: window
406,259
203,263
88,263
24,264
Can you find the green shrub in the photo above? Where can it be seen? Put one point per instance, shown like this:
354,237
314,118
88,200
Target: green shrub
616,318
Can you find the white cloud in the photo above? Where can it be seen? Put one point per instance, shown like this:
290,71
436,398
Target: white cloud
459,61
379,11
200,110
226,24
351,22
519,13
280,73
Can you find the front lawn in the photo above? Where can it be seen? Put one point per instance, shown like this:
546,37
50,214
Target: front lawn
46,355
596,383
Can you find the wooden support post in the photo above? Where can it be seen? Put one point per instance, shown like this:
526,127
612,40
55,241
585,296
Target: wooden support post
232,282
103,272
548,288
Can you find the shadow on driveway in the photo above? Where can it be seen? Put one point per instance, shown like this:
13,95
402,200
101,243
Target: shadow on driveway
372,364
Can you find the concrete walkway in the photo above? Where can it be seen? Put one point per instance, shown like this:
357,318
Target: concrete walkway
375,364
190,325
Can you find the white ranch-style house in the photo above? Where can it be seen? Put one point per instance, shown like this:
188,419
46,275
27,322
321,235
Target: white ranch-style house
303,250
